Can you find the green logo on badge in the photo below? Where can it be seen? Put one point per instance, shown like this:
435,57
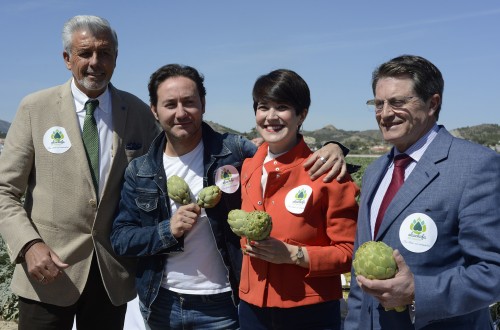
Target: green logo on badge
301,194
226,175
57,136
418,226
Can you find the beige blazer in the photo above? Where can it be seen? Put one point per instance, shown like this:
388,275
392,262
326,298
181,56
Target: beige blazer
60,205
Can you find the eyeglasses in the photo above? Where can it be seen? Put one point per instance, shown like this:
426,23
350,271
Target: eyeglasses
396,103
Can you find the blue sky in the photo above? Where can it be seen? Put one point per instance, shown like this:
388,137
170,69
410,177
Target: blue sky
333,45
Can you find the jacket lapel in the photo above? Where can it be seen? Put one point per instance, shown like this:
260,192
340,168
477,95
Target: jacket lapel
371,181
69,120
119,114
251,178
422,175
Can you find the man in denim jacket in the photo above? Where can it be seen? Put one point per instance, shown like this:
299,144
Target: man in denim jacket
189,260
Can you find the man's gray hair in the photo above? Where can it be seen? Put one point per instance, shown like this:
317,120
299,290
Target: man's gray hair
90,23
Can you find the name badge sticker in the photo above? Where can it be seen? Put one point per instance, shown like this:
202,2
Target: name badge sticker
227,178
296,199
418,233
56,140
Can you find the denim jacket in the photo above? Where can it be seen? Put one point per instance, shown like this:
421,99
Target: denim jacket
142,226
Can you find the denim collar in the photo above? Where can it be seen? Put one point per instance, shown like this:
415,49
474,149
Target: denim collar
153,160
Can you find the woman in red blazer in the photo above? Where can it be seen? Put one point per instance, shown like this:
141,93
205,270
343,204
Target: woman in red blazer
292,279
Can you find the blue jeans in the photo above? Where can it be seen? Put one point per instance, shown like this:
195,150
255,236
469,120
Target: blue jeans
172,310
323,316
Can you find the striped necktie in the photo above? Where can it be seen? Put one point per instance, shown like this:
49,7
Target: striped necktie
91,141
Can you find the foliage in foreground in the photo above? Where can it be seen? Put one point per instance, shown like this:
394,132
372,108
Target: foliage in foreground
360,161
8,300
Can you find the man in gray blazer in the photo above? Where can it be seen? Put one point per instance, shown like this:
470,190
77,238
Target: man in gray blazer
443,222
59,236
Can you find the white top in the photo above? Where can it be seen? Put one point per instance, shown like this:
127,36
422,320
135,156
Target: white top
199,269
104,121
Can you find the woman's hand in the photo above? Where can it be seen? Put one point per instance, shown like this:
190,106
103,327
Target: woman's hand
274,251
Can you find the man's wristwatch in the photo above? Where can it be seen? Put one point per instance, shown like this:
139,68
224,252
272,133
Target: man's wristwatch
299,255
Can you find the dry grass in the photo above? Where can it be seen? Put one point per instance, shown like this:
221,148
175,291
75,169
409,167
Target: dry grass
7,325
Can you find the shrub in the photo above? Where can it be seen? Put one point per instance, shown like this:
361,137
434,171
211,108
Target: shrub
360,161
8,300
495,314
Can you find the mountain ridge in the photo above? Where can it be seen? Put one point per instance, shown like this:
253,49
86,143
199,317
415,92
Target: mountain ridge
485,134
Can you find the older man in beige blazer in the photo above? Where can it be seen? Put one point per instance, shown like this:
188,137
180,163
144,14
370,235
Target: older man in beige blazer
59,236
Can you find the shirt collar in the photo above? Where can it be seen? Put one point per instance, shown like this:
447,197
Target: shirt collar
81,98
418,148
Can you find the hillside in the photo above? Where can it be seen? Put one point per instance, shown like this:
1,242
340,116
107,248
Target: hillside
367,141
4,127
486,134
359,141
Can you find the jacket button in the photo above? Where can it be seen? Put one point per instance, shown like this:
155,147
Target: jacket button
92,203
277,169
277,175
259,202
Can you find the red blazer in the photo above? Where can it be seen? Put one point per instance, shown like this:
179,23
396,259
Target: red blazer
326,227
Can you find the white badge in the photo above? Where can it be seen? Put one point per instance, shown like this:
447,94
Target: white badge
227,179
418,233
296,199
56,140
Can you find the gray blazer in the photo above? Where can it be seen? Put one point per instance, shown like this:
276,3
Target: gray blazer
456,184
60,205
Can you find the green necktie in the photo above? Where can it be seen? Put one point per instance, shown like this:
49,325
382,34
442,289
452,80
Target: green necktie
91,141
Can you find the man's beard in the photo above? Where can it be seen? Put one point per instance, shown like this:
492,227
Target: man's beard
93,85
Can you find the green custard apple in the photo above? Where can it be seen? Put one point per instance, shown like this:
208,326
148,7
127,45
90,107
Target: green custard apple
237,220
374,260
178,190
209,196
259,225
